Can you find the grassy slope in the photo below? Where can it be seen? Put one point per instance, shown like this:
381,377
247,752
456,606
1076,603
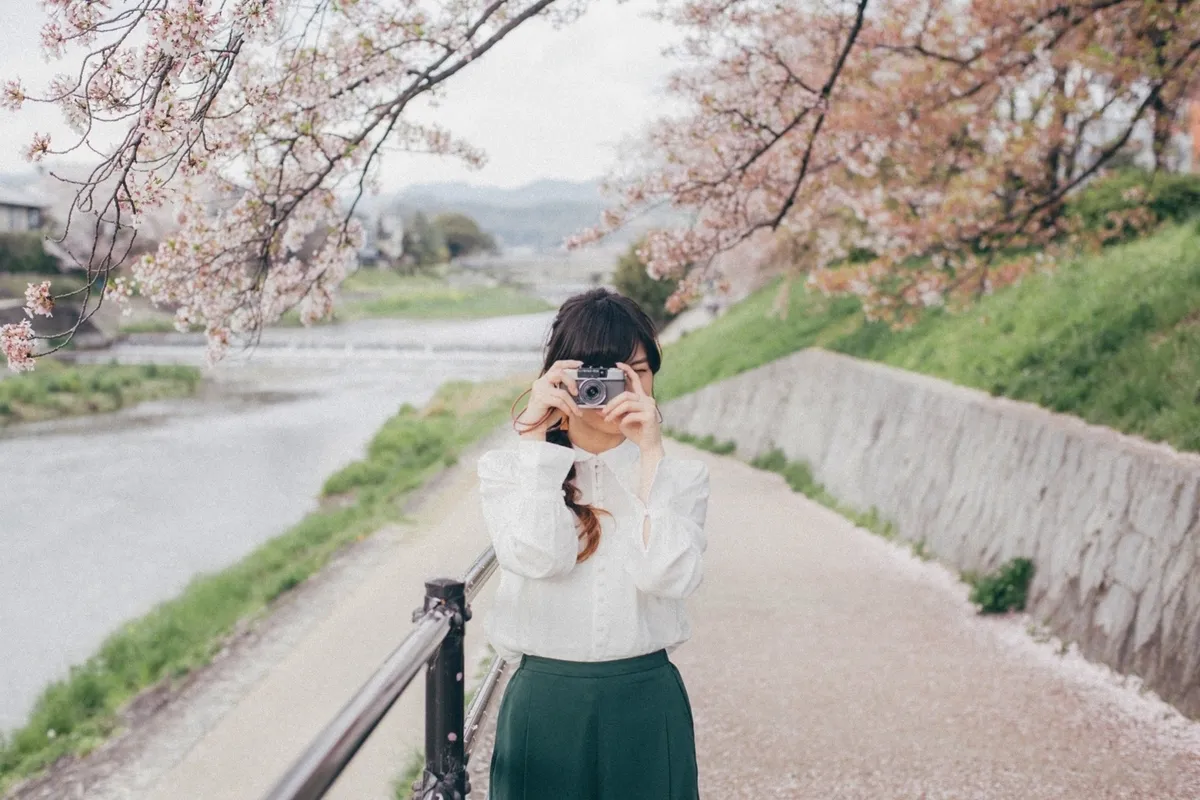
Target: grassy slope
76,714
1113,338
445,303
428,297
370,294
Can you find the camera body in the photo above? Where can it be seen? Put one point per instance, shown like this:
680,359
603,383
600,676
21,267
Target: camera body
596,385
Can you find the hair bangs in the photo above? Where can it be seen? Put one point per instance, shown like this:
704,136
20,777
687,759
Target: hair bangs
601,328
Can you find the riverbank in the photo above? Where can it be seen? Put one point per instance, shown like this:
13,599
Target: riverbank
150,656
57,390
373,294
384,294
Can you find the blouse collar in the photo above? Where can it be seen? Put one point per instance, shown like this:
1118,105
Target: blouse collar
623,454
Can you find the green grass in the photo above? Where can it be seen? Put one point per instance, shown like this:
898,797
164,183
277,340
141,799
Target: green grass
1112,337
371,294
748,336
414,767
77,713
1006,589
445,302
799,476
57,390
709,443
163,324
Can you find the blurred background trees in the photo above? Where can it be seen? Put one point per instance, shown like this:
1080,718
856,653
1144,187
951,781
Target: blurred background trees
632,280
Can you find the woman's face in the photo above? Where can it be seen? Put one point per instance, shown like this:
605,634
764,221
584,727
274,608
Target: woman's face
594,417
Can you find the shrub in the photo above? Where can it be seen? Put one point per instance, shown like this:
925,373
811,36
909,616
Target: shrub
66,381
27,392
110,382
632,280
56,389
799,476
773,460
24,252
355,476
408,442
462,235
1005,589
1167,197
708,442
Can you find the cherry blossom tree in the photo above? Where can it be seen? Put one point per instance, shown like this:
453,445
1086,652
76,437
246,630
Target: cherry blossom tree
902,150
260,123
907,151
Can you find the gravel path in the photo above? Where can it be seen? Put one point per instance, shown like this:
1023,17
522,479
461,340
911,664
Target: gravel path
828,663
825,663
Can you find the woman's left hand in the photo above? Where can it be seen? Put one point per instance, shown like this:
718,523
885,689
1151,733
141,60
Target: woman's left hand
636,413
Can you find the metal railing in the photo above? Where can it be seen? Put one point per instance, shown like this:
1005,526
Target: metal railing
435,641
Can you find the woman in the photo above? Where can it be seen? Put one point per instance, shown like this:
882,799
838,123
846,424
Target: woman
599,536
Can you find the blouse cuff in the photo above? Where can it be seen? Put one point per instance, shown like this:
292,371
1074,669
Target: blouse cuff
543,465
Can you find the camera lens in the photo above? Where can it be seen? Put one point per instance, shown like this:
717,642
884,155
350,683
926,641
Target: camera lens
591,391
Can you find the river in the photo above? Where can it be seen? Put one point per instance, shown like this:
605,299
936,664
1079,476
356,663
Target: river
103,517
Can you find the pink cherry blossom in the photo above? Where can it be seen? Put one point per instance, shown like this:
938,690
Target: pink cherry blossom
53,40
261,130
16,344
932,134
925,136
120,290
12,96
39,147
38,300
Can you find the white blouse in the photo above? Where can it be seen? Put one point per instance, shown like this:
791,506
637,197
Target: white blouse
627,598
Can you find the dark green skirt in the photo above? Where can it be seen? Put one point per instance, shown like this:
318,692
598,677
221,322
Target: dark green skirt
604,730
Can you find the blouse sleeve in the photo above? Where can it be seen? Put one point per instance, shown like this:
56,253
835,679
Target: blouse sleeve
669,565
531,528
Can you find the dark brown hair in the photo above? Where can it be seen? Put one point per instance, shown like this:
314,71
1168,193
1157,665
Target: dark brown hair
598,327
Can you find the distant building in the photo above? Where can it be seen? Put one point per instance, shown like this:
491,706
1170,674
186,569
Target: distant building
383,238
20,213
389,236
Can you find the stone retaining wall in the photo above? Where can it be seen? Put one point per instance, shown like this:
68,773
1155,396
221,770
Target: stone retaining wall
1110,521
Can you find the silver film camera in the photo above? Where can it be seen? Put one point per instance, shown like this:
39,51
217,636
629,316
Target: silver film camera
596,385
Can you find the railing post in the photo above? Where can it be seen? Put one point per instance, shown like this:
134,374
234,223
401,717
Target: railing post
445,776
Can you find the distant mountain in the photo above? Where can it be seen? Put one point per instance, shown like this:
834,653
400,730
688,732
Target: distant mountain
539,215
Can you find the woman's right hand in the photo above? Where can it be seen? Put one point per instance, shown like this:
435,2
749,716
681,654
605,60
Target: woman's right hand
549,393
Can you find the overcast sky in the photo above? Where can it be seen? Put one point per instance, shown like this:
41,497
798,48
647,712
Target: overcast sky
544,103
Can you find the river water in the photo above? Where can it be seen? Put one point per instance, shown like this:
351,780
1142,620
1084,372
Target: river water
101,518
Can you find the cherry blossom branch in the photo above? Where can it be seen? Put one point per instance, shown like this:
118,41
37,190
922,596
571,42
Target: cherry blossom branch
956,132
249,118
